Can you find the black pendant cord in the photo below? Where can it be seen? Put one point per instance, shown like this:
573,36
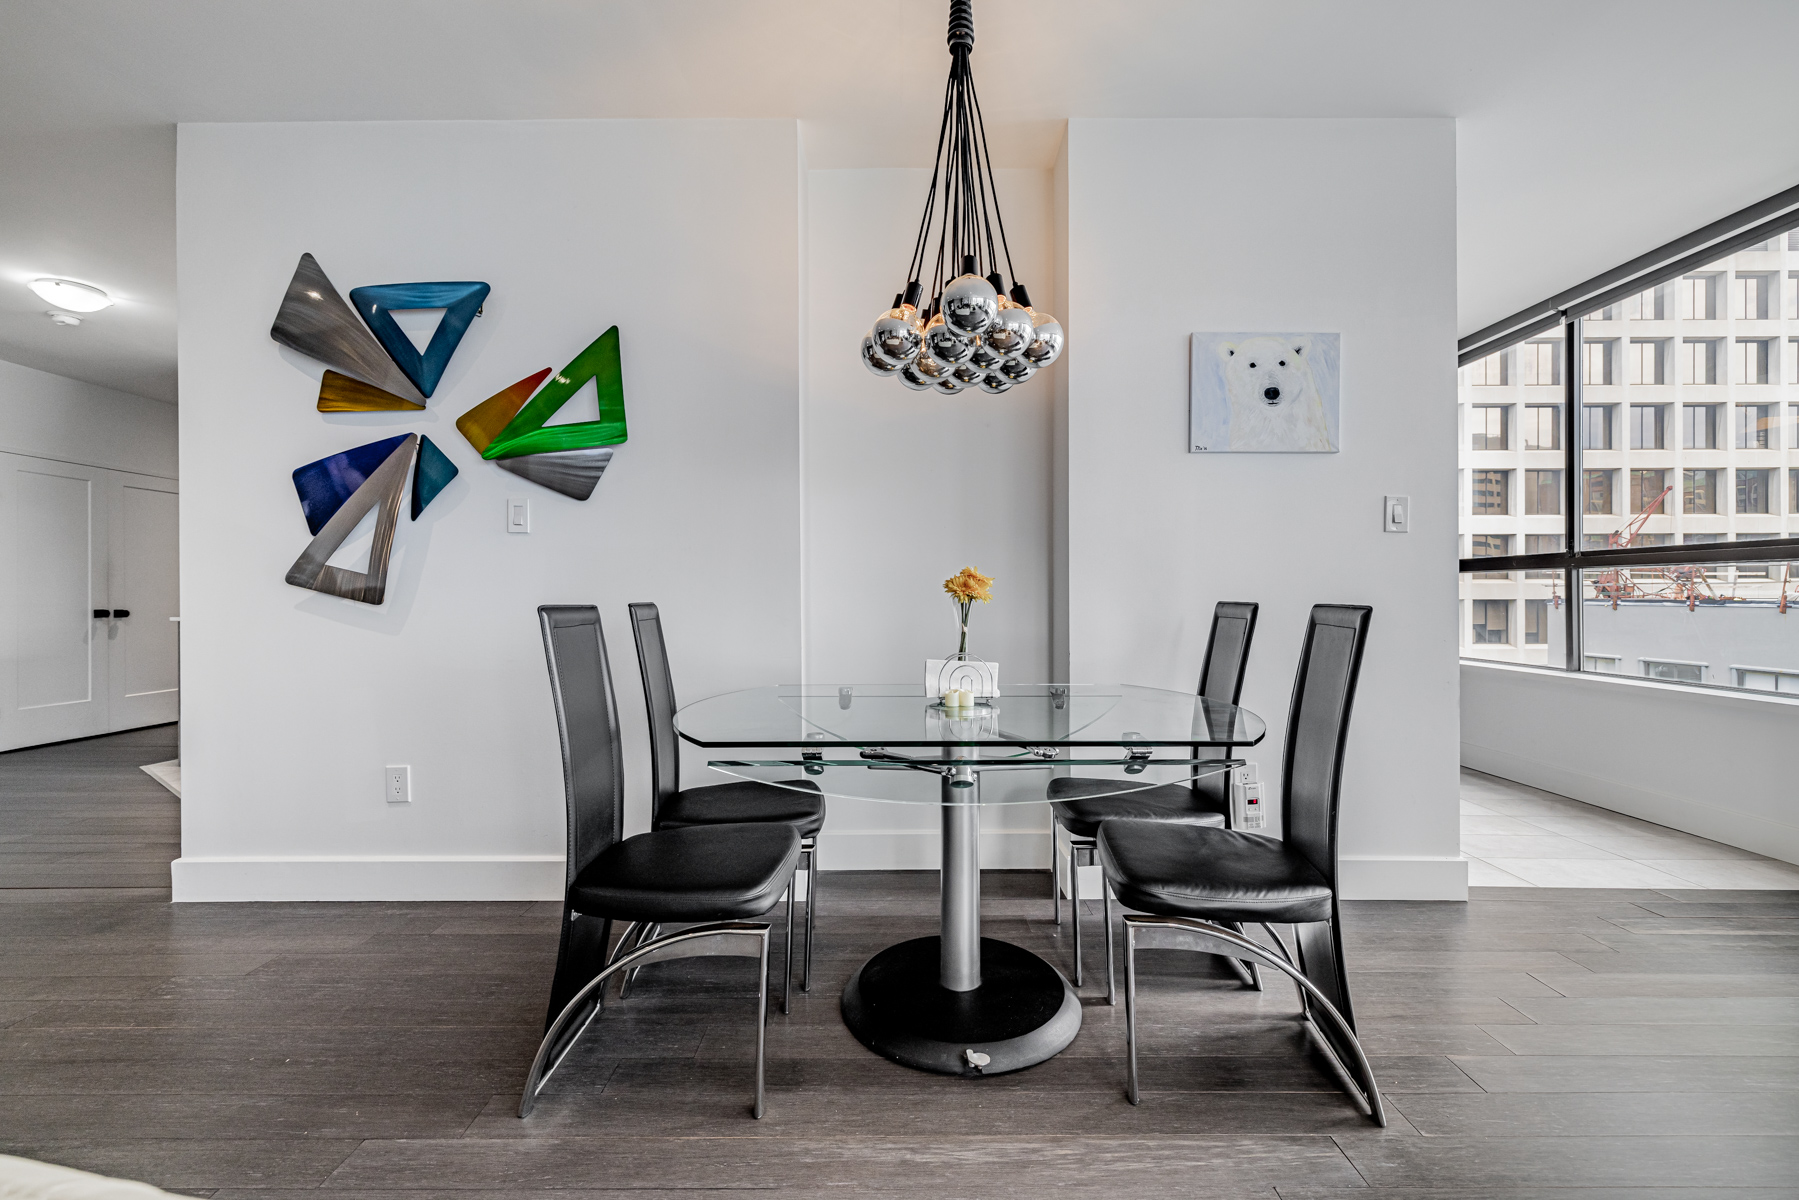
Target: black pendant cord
968,206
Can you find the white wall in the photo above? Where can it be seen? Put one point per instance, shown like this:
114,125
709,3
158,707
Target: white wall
683,233
1630,746
903,489
1347,226
50,416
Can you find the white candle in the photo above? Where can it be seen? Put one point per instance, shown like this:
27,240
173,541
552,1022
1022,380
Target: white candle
964,698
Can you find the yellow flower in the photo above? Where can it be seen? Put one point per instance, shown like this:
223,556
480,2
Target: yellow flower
969,585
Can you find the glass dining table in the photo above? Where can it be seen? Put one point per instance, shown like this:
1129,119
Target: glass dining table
959,1003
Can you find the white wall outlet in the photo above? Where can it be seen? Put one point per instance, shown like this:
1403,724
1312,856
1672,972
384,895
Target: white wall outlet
518,516
1397,514
1246,799
397,781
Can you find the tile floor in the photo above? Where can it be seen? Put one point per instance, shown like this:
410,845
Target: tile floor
1517,836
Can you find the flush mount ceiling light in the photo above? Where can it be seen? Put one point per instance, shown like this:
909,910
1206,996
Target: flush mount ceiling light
66,293
972,334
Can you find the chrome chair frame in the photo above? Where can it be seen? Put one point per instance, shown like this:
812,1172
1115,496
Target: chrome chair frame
734,939
645,931
1207,937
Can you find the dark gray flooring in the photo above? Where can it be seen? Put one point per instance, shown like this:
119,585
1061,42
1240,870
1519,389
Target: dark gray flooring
1531,1042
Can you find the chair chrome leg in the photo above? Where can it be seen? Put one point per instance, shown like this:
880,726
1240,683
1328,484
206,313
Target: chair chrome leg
1130,1013
1074,904
1105,900
1055,868
647,931
738,939
811,908
787,957
1246,971
1206,937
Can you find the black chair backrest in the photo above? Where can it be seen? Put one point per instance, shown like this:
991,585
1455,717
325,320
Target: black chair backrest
587,717
659,699
1318,729
1227,651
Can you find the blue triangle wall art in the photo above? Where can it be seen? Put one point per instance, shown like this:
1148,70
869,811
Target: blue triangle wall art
325,485
460,301
431,476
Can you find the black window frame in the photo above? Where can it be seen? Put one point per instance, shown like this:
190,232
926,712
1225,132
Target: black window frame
1565,314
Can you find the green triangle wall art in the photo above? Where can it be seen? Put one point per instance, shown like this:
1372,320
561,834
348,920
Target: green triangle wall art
527,434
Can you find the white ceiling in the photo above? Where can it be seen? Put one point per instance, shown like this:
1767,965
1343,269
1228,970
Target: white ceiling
1589,130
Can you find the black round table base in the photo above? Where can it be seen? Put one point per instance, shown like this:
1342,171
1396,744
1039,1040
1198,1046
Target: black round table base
1023,1013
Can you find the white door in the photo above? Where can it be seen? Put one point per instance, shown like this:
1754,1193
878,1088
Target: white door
53,656
143,594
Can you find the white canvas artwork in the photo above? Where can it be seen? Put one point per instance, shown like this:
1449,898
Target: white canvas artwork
1264,393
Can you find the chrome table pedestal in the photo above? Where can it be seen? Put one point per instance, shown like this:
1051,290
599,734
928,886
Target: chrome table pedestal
959,1003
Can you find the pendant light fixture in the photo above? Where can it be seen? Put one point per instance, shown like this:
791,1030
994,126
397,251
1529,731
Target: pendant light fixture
971,333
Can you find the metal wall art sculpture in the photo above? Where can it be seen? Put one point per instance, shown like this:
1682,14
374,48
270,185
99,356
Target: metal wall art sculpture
337,492
509,428
378,368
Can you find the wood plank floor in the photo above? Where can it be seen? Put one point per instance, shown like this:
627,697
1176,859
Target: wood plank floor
1534,1043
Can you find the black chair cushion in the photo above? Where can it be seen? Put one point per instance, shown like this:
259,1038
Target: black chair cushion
1216,874
1081,804
745,800
703,873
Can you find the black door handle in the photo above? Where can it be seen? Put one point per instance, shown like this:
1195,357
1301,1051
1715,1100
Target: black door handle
120,612
100,614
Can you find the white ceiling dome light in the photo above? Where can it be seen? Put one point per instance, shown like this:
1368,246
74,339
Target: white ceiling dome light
66,293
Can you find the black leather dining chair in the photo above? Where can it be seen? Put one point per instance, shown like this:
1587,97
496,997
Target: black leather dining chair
1194,886
798,803
1081,803
719,875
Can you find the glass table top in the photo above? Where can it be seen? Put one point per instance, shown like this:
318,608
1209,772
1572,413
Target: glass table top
1042,717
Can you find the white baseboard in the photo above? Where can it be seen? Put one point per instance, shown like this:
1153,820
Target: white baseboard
447,877
1408,877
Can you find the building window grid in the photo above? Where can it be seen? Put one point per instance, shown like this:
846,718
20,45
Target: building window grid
1697,359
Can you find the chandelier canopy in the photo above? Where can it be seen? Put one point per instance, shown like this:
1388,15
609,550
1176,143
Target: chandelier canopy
972,333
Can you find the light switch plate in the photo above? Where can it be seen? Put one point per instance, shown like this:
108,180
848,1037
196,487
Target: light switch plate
398,783
1397,514
518,515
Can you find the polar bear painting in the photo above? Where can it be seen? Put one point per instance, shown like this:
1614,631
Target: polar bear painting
1264,392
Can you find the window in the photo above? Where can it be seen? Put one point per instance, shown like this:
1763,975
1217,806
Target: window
1749,297
1646,361
1752,491
1699,360
1540,363
1646,490
1543,543
1651,305
1492,622
1792,361
1751,365
1699,492
1492,493
1648,426
1793,489
1789,303
1491,545
1652,539
1608,313
1599,362
1793,427
1699,297
1754,570
1767,679
1536,622
1595,541
1599,491
1542,493
1598,427
1543,426
1488,423
1755,427
1488,372
1699,426
1676,672
1701,539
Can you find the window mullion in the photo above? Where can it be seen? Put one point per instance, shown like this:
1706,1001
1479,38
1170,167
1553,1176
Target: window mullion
1572,429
